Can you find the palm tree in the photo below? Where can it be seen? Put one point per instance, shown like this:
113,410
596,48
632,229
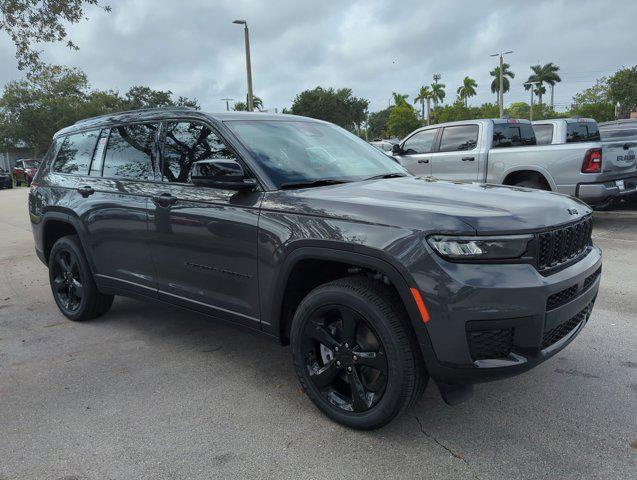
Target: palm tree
400,99
495,73
437,92
544,74
467,89
424,96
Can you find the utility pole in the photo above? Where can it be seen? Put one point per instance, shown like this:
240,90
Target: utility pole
437,77
501,89
533,84
227,104
248,65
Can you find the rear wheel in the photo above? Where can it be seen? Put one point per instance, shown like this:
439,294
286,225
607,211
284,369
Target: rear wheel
72,283
354,354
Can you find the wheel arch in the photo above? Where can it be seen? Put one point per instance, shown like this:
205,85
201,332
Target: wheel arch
357,257
528,172
58,223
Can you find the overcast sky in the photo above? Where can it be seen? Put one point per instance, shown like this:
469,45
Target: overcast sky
374,47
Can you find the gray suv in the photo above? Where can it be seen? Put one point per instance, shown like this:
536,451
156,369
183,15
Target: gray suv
304,233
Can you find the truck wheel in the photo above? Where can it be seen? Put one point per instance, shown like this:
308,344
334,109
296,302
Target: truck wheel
537,184
354,354
72,283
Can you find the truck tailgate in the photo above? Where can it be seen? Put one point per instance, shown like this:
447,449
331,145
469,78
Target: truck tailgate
619,159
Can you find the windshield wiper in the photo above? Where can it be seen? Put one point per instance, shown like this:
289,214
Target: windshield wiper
386,175
312,183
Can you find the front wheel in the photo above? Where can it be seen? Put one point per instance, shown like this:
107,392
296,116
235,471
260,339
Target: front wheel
72,284
354,353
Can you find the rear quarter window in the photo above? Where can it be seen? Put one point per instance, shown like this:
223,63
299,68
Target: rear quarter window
75,153
513,135
543,133
582,132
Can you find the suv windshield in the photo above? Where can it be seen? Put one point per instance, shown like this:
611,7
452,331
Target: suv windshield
303,152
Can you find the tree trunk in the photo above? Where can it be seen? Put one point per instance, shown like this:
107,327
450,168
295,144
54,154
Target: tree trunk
552,104
428,112
422,108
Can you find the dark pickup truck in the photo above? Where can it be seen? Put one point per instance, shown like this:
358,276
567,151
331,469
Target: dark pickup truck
298,230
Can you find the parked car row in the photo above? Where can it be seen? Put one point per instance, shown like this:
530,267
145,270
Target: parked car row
300,231
565,155
22,173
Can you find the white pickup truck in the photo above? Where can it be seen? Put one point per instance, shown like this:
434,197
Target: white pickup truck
572,159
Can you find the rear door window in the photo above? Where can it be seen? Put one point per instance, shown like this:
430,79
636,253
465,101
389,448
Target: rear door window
75,153
513,135
459,137
131,152
582,132
543,133
421,142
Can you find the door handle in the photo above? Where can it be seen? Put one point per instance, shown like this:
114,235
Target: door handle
85,191
164,200
423,160
468,159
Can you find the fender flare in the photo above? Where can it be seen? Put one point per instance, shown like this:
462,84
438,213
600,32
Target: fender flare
361,256
72,219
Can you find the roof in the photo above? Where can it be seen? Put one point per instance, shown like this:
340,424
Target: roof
149,114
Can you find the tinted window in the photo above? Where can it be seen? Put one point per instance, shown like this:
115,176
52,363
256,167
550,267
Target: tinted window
75,153
582,132
421,142
461,137
543,133
513,135
186,143
130,152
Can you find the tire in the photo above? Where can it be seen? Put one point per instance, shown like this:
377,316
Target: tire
17,183
381,358
537,184
72,284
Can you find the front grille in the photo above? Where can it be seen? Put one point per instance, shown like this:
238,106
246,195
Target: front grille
591,278
485,344
560,245
561,297
558,333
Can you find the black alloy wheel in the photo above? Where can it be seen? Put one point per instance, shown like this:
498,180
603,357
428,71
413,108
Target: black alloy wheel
355,353
67,283
346,360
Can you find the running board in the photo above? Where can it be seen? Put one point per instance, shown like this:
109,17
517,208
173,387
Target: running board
455,394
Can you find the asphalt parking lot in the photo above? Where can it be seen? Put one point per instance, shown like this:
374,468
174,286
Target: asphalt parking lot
151,392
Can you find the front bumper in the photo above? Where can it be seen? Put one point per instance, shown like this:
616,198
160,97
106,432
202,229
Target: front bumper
493,321
599,193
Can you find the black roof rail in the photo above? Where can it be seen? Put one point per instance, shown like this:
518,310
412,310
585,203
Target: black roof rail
138,110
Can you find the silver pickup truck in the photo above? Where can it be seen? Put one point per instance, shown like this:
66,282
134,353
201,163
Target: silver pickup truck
506,151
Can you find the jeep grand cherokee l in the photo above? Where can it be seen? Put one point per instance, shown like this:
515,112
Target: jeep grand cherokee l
296,229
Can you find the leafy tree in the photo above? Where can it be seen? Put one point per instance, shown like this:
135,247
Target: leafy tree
336,106
32,110
424,95
437,92
30,22
595,102
240,107
377,124
518,110
506,74
467,89
544,74
622,89
400,99
243,106
402,120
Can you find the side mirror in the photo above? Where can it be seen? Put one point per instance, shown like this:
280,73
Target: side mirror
226,174
396,150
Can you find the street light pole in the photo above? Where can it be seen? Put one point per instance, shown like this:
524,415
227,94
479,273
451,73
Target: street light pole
227,104
501,89
248,65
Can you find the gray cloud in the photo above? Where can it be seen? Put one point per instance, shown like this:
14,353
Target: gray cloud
374,47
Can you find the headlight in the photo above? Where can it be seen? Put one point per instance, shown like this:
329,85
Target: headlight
480,248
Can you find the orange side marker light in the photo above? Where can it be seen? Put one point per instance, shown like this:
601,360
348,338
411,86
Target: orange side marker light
420,304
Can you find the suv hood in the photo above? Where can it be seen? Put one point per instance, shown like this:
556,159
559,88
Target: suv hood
428,204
